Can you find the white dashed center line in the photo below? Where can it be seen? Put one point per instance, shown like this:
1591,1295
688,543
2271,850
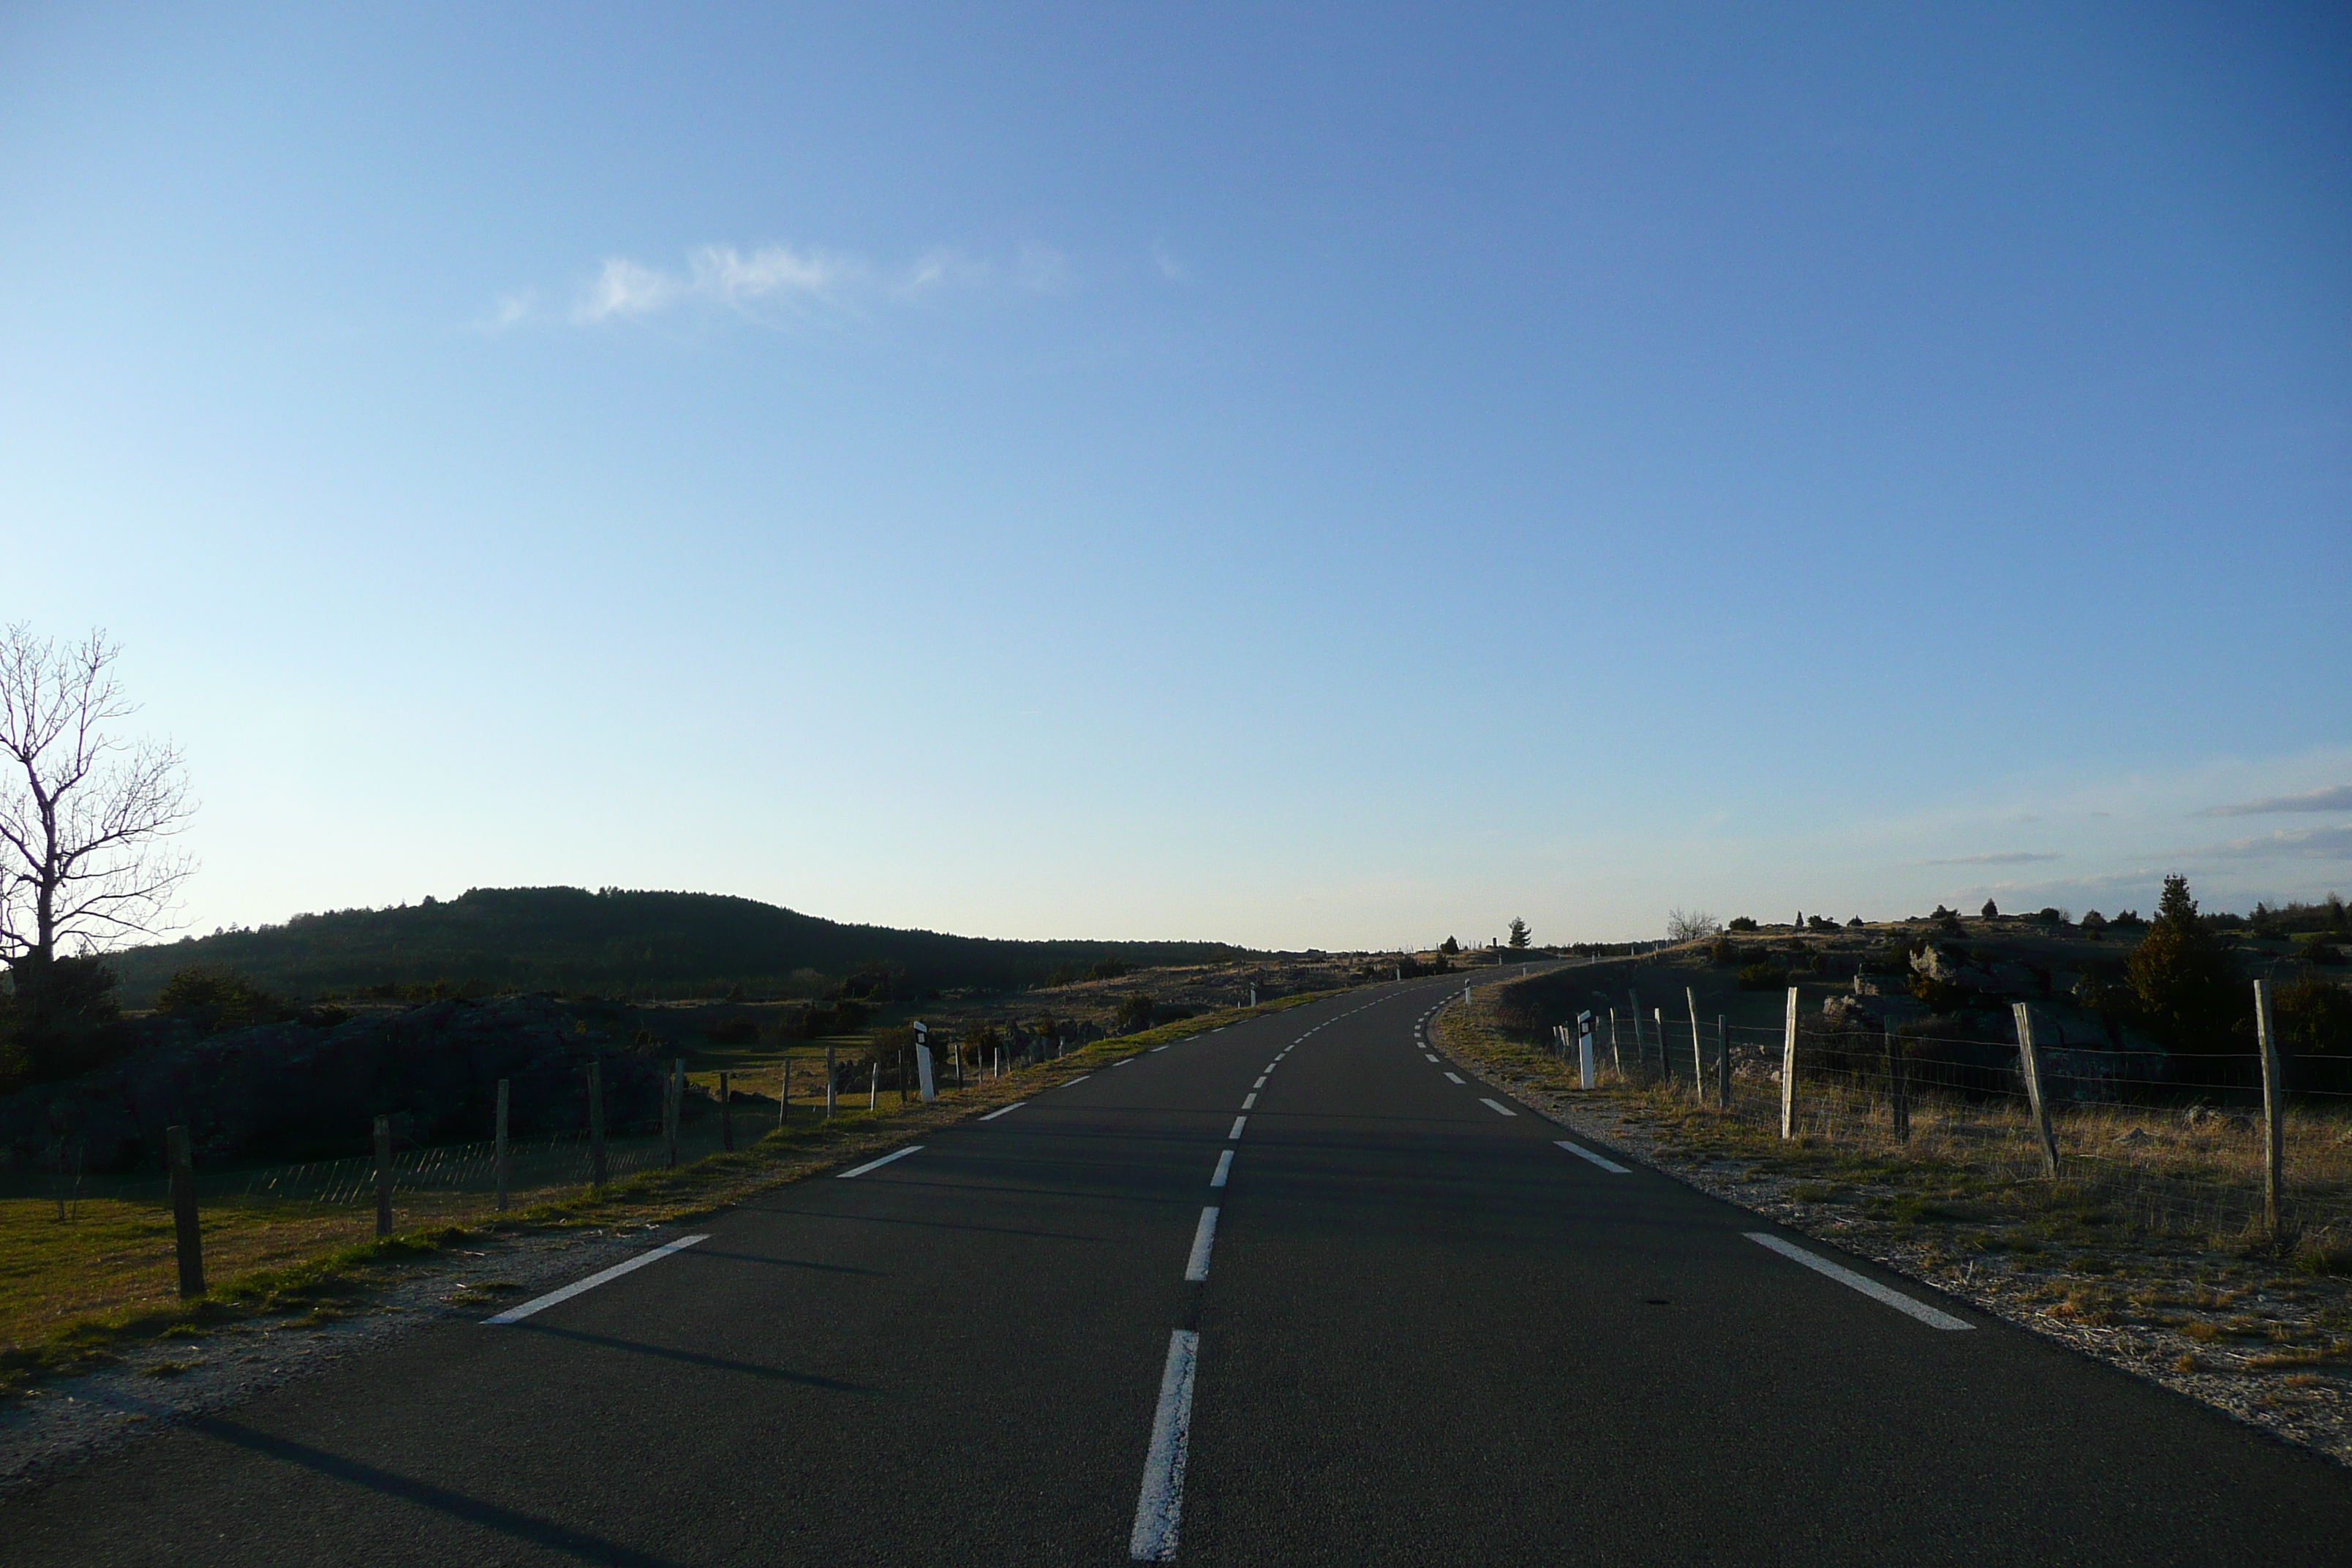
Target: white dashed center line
1001,1110
1237,1132
1196,1268
1498,1106
1454,1077
1080,1078
1224,1169
1249,1102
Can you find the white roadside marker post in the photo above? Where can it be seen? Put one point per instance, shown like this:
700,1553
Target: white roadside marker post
1584,1075
1698,1056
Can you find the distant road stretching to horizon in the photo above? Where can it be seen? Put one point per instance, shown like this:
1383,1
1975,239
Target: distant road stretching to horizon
1295,1292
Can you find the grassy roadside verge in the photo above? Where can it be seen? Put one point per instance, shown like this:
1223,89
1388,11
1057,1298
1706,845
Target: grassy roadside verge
2257,1326
323,1281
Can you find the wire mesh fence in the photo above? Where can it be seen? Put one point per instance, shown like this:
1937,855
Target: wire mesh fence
2176,1141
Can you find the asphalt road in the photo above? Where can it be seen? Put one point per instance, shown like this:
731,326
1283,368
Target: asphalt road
1425,1334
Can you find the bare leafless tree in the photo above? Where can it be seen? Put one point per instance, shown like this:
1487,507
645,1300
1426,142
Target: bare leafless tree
85,817
1689,925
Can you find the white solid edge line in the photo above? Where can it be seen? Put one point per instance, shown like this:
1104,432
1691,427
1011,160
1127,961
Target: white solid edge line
1204,1236
1611,1166
1249,1102
1430,1056
1080,1078
877,1164
1455,1078
1847,1276
1224,1169
1161,1505
1002,1109
1237,1128
1496,1106
536,1303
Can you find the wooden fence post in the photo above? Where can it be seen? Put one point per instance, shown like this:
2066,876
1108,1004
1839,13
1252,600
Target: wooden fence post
830,1081
784,1090
2273,1108
1698,1056
673,1109
2029,1061
383,1175
726,1114
1616,1051
1722,1063
500,1157
597,1168
186,1233
1633,1016
1789,1070
1665,1067
1899,1086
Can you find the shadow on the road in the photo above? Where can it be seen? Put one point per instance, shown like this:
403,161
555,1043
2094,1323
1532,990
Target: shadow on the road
703,1252
694,1358
473,1510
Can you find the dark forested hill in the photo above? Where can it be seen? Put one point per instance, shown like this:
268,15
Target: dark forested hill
666,944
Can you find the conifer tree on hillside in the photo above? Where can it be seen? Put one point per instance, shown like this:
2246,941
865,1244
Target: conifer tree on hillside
2185,984
1518,931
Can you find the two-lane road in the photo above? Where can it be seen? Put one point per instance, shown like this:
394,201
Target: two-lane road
1294,1292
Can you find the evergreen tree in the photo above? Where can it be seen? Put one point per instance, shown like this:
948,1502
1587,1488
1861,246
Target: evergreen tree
1991,911
2186,988
1518,931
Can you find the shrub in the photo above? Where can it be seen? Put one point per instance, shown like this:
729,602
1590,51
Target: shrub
217,999
1991,911
2094,924
2314,1016
740,1029
1763,977
1135,1014
1741,922
2316,949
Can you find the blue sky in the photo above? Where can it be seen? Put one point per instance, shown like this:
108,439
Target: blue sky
1328,477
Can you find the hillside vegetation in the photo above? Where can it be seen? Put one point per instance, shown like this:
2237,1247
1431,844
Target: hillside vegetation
645,944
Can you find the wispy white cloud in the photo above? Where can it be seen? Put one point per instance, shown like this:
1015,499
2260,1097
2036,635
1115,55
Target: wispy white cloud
2337,797
1175,271
2287,844
1997,857
777,284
